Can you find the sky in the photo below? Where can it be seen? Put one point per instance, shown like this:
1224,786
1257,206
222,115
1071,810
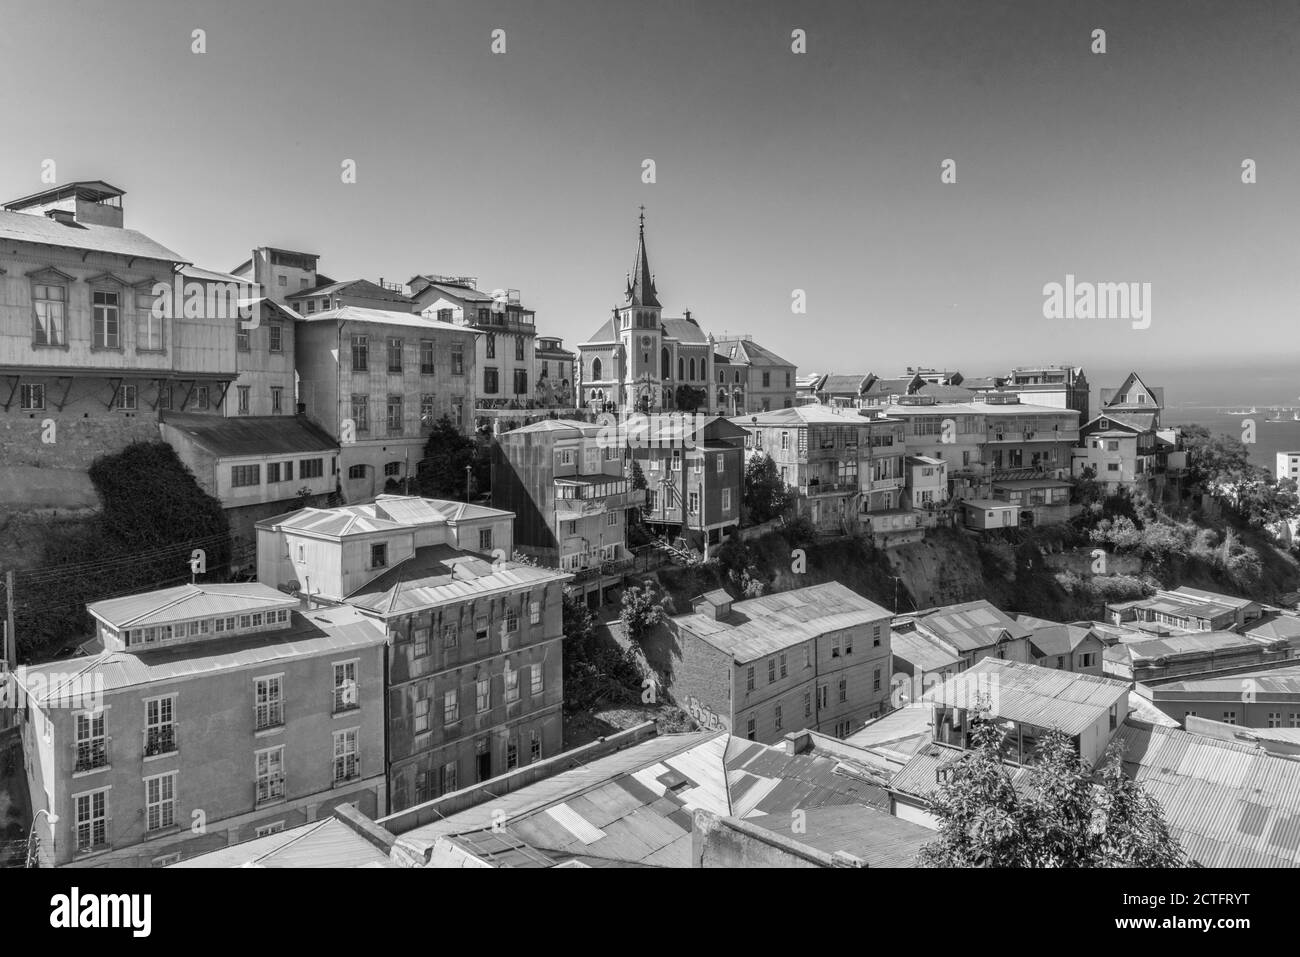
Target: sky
774,171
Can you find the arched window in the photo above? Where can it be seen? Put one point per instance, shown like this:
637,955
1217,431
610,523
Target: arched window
692,370
595,370
665,364
681,368
722,398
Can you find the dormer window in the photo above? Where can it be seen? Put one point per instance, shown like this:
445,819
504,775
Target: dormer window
379,555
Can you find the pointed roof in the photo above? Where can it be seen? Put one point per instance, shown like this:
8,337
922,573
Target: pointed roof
640,285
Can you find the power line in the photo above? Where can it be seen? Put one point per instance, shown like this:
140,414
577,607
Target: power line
54,571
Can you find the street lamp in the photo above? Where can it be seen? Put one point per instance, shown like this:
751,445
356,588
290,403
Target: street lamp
54,819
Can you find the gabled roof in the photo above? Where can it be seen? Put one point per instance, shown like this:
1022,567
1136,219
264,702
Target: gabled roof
852,383
749,351
31,228
901,386
971,625
608,332
251,435
684,330
358,287
92,189
1043,697
386,317
1108,395
324,843
1054,638
920,777
188,601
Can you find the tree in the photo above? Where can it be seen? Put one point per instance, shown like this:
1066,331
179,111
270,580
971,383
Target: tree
642,610
1217,463
594,670
441,473
688,398
1062,815
765,495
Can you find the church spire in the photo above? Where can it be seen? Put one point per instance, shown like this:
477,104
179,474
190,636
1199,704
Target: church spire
640,284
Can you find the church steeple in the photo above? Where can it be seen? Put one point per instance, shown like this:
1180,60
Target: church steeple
641,284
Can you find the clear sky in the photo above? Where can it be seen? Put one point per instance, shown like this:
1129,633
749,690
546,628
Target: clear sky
775,171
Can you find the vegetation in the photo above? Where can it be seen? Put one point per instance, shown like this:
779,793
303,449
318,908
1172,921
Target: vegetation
447,454
689,399
643,609
596,670
765,495
1065,815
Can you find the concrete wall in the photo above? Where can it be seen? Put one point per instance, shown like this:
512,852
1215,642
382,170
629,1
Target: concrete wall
730,842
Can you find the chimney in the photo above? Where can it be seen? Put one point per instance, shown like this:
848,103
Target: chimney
65,216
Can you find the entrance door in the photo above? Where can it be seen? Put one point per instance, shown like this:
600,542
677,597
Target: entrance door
483,761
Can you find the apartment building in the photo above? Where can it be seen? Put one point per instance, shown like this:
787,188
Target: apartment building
475,681
1288,466
214,714
1191,653
814,658
771,378
81,349
1064,647
567,485
1064,387
965,633
1268,698
1172,610
846,469
694,493
1124,445
383,379
555,371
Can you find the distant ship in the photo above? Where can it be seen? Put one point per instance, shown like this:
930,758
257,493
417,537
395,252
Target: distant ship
1241,411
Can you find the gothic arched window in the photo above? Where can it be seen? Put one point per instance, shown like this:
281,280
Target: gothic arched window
681,368
595,370
665,364
692,370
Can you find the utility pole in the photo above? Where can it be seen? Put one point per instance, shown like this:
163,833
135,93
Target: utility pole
469,471
896,579
10,647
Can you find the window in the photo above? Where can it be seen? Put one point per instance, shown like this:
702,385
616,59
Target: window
394,354
277,400
346,765
159,726
201,397
490,346
243,343
651,499
519,348
483,695
749,679
379,555
875,636
537,678
491,380
823,695
266,830
481,628
458,360
160,801
767,379
511,621
1229,717
242,392
394,420
1294,719
1275,719
835,647
450,636
32,398
534,746
512,754
269,702
807,656
534,613
270,774
807,704
693,502
360,354
277,336
355,471
426,357
92,820
611,518
485,539
311,468
782,663
785,441
521,382
242,476
719,465
450,707
771,670
875,680
51,325
848,644
427,415
777,716
750,728
844,689
107,324
512,684
1087,659
420,642
346,690
92,745
273,473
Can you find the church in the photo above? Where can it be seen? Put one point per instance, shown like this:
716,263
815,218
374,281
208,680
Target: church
641,361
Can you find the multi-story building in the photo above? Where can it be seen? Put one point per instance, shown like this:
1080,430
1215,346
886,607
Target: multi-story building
1124,445
327,295
505,352
213,714
1064,647
555,372
815,658
1267,698
965,633
377,382
565,482
1288,466
89,353
474,679
845,469
1185,609
1063,387
1192,653
641,360
694,493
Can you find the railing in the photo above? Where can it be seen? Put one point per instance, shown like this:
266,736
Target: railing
159,741
92,755
599,570
346,769
827,488
345,698
270,788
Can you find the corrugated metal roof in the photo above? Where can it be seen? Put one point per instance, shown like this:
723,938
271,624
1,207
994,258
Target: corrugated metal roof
387,317
875,836
251,435
921,651
189,601
757,627
1193,643
31,228
1228,804
1042,697
920,776
971,625
1272,681
324,843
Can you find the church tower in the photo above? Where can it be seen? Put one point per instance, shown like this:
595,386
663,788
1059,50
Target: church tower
641,334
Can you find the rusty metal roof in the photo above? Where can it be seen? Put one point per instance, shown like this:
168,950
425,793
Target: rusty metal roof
1042,697
1228,804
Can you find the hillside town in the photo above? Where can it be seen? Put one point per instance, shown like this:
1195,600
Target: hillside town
435,589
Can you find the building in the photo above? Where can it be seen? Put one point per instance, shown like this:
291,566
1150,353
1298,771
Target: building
845,470
694,493
1124,444
1268,698
566,485
214,714
1191,653
82,351
969,632
329,295
1170,611
474,682
1288,466
815,657
1030,701
1228,803
640,360
927,481
376,382
555,371
1064,647
1064,387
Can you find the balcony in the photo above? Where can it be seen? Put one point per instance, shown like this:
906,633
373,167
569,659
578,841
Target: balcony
828,488
601,569
1007,436
270,789
158,741
91,755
